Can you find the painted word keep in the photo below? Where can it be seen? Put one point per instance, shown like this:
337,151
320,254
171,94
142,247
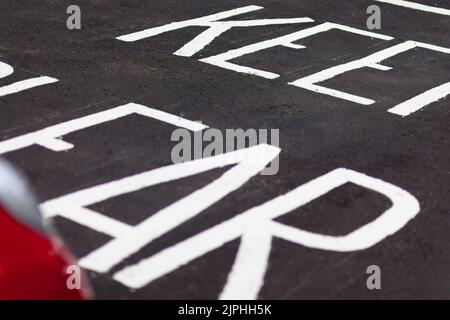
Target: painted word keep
216,27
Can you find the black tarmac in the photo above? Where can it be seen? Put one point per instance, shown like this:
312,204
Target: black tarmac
318,134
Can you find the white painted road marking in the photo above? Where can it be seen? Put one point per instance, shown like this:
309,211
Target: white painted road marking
216,28
6,70
25,85
255,226
421,101
50,137
222,60
249,162
417,6
183,24
373,61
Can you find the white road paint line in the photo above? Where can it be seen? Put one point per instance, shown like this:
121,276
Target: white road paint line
310,82
5,70
89,196
422,100
135,36
337,94
96,221
169,118
417,6
202,40
247,166
380,67
215,28
222,60
263,22
373,61
432,47
294,46
25,84
206,37
404,208
247,274
55,144
50,136
255,226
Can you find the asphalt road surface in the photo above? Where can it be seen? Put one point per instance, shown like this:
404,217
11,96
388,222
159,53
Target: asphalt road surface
173,234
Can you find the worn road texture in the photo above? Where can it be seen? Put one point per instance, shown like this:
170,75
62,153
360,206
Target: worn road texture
318,133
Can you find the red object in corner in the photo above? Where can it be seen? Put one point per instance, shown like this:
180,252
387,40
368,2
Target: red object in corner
33,265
